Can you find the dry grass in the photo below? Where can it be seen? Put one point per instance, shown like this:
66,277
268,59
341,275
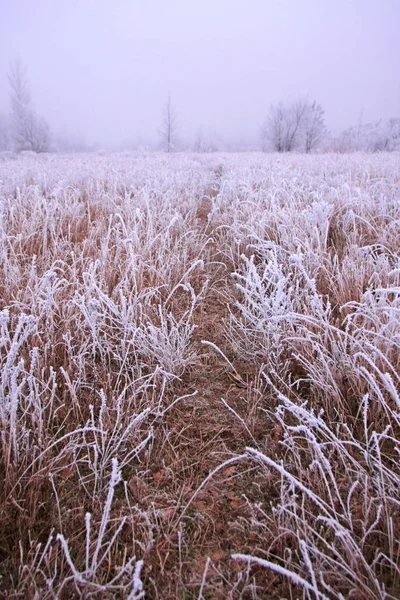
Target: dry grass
199,377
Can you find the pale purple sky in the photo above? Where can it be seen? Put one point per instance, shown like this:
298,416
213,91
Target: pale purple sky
103,68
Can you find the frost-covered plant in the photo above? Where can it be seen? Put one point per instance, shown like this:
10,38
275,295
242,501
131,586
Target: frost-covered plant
97,552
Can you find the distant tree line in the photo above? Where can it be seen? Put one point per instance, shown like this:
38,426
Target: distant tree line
301,126
291,126
296,126
378,136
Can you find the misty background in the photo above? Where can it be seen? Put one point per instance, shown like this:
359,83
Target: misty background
100,71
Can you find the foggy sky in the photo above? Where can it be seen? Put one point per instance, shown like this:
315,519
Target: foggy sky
102,69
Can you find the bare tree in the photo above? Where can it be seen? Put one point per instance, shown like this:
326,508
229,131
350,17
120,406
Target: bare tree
273,131
169,128
28,130
291,126
314,126
294,124
283,128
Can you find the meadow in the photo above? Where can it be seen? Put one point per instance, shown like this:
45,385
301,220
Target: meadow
200,376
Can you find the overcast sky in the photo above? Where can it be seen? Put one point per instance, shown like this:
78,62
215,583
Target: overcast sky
103,68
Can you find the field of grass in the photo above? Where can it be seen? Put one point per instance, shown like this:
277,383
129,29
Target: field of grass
200,377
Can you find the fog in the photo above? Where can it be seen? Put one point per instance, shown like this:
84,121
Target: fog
101,70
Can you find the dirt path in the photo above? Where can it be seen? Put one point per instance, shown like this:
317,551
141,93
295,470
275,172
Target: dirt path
202,433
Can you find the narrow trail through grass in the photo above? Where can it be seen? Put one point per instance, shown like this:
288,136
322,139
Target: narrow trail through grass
205,434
